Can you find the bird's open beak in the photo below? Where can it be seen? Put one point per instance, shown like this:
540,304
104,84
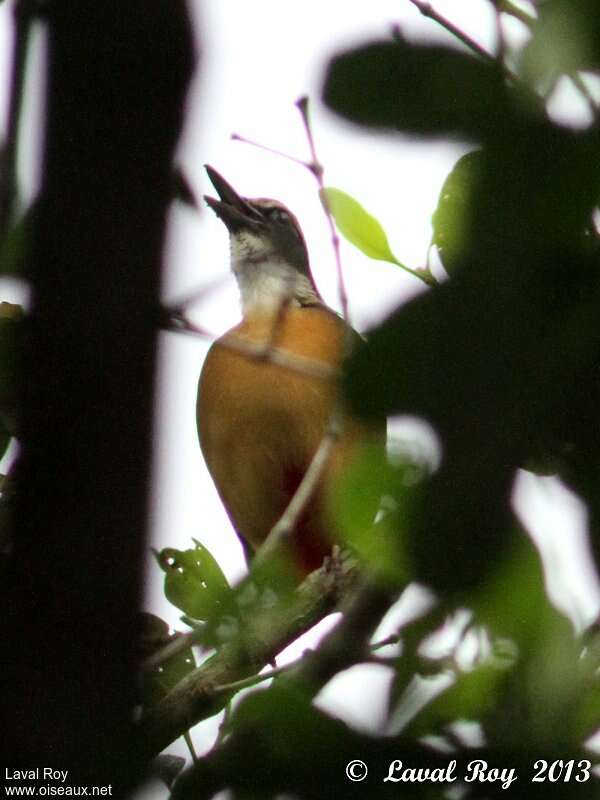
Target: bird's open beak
231,208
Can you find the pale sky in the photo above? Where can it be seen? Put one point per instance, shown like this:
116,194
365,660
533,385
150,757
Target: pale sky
258,58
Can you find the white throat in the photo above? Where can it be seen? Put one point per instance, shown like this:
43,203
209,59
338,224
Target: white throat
266,280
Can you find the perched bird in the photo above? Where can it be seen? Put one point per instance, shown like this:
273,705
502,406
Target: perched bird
259,422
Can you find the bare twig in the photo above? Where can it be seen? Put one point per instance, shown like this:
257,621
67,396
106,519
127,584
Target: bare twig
317,170
347,643
507,7
286,524
237,138
427,10
393,638
284,527
260,351
254,680
176,317
190,746
179,642
500,39
502,6
584,91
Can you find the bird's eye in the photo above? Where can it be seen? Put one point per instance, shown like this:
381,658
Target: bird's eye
278,215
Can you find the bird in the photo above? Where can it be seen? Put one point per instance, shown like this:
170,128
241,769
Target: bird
260,422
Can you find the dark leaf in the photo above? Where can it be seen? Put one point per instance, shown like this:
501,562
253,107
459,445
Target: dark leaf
421,89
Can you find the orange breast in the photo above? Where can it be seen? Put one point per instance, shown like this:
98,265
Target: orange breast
260,425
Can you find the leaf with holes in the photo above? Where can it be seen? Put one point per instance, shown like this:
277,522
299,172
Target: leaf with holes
194,582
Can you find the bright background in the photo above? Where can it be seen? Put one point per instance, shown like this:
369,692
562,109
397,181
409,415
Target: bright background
257,59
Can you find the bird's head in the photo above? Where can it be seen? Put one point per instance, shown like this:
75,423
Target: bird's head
268,253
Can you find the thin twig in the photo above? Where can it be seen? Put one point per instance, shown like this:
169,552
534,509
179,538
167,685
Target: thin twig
507,7
180,642
500,40
394,638
253,680
259,351
503,6
427,10
317,170
175,314
237,138
382,661
266,352
347,643
286,524
222,732
190,746
583,89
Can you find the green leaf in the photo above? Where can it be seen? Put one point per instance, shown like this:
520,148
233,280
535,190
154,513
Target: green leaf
450,220
358,226
194,582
